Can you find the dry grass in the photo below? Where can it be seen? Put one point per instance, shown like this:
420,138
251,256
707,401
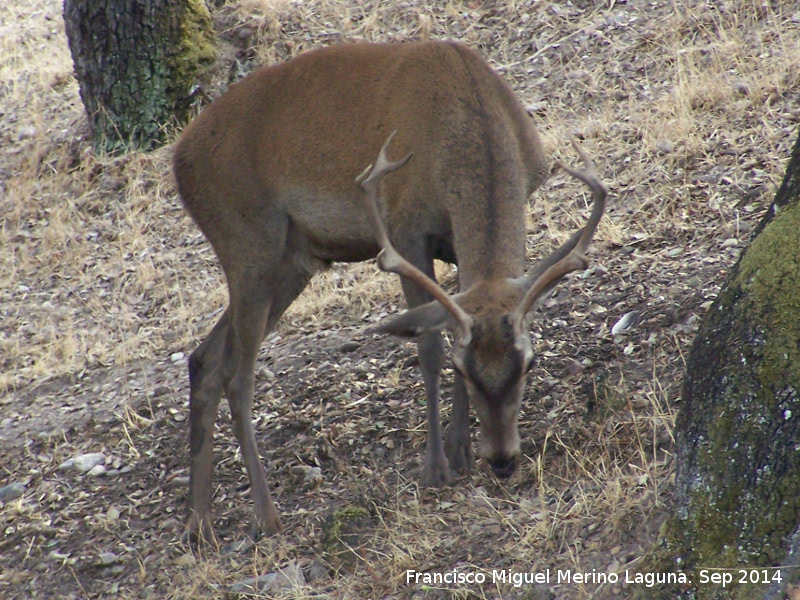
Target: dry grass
688,109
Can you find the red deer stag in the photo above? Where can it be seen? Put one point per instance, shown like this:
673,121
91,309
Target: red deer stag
267,173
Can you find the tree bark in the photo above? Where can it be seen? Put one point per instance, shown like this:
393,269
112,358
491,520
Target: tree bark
738,428
137,63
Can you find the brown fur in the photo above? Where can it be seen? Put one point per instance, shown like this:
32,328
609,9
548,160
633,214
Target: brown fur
267,172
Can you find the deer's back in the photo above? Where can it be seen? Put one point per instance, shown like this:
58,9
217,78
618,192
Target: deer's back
290,139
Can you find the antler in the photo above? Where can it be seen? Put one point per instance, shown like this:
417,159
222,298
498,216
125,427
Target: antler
571,255
389,259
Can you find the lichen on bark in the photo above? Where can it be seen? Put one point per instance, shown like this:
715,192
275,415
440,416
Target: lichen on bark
738,429
137,65
196,46
770,275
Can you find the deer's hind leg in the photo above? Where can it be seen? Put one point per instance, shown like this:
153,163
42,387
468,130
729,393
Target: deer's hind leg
251,323
247,331
225,361
259,296
263,280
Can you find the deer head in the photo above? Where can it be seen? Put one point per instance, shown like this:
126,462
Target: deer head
492,348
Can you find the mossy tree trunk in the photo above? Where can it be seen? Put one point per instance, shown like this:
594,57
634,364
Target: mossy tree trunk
137,64
738,429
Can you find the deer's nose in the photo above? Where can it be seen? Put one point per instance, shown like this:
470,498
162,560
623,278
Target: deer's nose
504,467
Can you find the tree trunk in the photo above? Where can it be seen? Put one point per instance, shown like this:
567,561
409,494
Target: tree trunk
738,429
137,63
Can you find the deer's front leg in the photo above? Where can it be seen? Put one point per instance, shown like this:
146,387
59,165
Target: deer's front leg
457,444
436,471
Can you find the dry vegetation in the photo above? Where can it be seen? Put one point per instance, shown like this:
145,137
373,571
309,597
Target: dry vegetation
688,108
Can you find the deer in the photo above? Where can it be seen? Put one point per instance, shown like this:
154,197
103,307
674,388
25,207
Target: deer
273,174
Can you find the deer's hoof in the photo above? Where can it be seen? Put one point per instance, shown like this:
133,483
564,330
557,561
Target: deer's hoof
459,454
267,526
436,473
199,532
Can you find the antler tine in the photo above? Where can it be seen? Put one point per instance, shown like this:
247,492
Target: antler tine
389,259
373,174
599,194
575,259
370,180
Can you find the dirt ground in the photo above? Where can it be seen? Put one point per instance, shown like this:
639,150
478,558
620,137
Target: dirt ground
689,111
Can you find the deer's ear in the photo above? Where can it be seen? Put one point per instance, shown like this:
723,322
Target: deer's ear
426,317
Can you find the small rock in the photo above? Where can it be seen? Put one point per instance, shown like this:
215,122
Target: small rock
108,558
161,390
730,243
83,463
313,477
625,322
185,560
675,252
288,578
349,346
86,462
180,482
316,571
176,357
25,133
96,471
663,438
239,546
575,368
171,524
12,491
740,87
665,146
299,470
254,584
600,270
